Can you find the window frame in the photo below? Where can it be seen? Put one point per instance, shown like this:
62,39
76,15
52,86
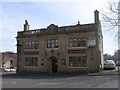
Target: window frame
77,42
52,43
31,45
75,63
31,62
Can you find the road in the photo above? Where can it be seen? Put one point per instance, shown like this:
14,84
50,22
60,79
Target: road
59,81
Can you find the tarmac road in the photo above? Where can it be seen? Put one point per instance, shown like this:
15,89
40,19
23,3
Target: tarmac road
59,81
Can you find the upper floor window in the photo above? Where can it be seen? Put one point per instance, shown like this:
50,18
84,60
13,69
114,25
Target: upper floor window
31,45
53,43
77,42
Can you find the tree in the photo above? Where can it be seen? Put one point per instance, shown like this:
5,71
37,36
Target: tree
112,16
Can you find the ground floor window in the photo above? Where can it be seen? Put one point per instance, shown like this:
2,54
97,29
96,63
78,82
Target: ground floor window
31,61
77,61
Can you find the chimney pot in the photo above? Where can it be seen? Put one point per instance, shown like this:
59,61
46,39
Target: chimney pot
96,15
26,26
26,22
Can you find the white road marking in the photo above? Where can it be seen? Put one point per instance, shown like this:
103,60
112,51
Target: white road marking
7,82
74,77
3,82
12,82
68,78
49,83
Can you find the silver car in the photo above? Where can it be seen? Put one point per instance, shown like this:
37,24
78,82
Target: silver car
109,64
9,70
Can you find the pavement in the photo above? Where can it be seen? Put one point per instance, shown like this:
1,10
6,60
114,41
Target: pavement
105,72
101,73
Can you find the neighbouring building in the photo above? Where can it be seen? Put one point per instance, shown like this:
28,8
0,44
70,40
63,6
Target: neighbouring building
108,57
66,49
8,59
116,56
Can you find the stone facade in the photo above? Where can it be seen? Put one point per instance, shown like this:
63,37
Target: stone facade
75,48
8,59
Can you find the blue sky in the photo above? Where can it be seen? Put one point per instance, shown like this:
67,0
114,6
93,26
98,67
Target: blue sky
41,14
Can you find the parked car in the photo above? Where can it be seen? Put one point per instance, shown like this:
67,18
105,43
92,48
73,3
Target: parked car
9,69
109,64
6,69
118,63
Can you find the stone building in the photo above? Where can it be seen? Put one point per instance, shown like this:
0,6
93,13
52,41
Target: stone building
66,49
8,59
116,56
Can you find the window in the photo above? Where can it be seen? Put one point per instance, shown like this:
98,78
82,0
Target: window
48,43
36,45
26,44
77,42
56,43
70,62
83,61
83,42
31,61
52,43
31,45
74,42
70,42
77,61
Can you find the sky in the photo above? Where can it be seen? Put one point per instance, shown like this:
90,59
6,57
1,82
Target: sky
42,13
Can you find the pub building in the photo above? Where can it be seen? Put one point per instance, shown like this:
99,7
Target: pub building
65,49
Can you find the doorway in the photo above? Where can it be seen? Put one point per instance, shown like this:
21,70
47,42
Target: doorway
54,65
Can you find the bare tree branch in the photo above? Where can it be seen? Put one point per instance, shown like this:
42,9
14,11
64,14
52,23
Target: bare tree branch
111,16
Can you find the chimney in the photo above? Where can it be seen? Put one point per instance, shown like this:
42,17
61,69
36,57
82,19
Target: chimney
96,16
26,26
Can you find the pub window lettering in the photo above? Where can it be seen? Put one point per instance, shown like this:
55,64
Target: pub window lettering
31,45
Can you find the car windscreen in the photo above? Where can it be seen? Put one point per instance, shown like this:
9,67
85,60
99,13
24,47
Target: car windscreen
110,62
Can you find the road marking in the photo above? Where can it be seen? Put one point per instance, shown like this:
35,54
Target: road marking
49,83
3,82
12,82
98,76
74,77
68,78
7,82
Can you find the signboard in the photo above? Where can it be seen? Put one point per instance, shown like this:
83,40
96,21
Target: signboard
91,42
31,52
76,51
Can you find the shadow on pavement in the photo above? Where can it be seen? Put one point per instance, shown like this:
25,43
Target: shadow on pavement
38,76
